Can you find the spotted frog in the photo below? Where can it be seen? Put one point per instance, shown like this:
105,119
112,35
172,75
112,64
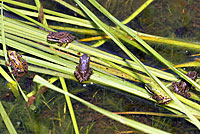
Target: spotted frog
83,71
19,66
160,97
183,86
62,37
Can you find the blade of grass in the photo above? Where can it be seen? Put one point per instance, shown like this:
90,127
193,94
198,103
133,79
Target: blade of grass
12,84
41,12
64,86
51,80
139,10
154,114
136,76
6,120
168,41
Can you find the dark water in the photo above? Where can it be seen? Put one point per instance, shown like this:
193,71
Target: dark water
166,18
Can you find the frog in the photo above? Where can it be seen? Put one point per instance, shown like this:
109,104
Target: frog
182,88
83,70
61,37
18,64
156,94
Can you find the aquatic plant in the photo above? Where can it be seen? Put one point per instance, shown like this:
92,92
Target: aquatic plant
44,57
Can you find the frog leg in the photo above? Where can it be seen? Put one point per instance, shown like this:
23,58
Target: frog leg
71,38
18,79
78,76
87,76
15,73
9,64
66,44
187,95
21,74
61,44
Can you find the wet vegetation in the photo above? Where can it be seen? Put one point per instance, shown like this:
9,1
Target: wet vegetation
129,88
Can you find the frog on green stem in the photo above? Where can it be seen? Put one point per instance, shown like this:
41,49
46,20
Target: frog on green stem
83,70
62,37
183,86
19,66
